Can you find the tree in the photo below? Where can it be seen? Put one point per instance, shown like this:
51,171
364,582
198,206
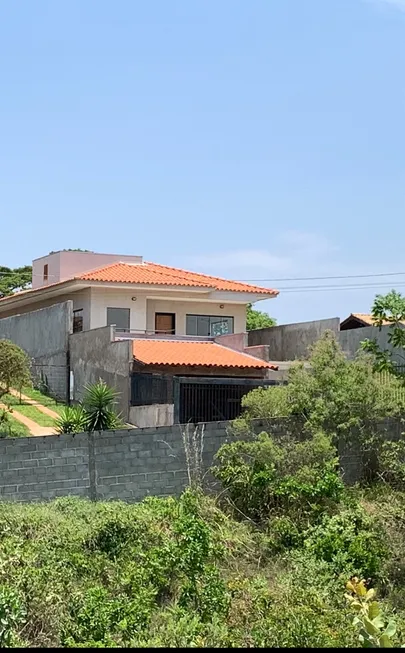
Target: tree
14,279
329,392
388,310
258,319
14,367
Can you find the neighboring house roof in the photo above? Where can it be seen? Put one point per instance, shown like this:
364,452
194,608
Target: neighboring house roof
154,274
364,319
150,274
203,354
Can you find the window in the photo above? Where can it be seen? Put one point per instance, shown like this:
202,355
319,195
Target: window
119,317
46,272
208,325
78,320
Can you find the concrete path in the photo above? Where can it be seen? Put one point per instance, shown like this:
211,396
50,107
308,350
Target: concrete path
33,402
32,426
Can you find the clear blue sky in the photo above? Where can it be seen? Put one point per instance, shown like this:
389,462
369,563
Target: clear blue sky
254,140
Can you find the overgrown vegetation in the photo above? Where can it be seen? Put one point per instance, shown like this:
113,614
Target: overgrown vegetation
286,555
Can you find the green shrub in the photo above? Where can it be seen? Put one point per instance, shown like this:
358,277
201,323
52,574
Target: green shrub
265,477
12,618
351,542
71,420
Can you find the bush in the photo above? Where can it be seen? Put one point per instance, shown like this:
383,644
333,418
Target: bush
265,477
71,420
351,542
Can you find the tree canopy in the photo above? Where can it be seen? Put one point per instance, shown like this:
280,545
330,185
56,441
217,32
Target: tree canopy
388,310
329,392
258,319
12,279
14,367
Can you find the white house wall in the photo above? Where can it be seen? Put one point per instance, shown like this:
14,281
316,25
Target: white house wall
183,308
142,310
101,299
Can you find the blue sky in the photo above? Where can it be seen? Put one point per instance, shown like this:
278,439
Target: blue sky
254,140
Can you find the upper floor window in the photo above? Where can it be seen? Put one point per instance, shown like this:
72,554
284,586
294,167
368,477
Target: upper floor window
46,272
120,317
208,325
78,320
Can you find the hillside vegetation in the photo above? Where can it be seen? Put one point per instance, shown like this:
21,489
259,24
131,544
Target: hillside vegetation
180,572
265,563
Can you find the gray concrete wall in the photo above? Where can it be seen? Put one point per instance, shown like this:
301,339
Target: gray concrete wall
44,335
291,341
154,415
350,340
94,355
126,464
131,464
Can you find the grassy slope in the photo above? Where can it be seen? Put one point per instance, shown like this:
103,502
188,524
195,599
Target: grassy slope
29,411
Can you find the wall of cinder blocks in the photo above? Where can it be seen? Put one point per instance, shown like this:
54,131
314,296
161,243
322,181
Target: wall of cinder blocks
127,464
132,464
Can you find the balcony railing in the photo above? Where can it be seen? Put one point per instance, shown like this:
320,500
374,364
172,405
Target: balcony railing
131,334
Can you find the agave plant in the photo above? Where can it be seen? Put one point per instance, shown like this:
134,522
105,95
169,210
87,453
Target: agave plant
98,405
72,420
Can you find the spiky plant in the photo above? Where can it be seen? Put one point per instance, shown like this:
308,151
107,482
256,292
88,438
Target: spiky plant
98,403
73,419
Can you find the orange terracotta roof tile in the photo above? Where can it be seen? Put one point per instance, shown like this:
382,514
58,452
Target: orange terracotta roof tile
207,354
152,274
163,275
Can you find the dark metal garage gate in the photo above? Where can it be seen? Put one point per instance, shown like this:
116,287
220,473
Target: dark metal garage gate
206,399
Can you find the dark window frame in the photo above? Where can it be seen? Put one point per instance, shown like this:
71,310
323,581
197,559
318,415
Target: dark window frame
119,308
173,315
77,319
46,272
220,318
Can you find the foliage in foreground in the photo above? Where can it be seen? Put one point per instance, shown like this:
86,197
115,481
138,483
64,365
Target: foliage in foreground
95,413
181,572
164,572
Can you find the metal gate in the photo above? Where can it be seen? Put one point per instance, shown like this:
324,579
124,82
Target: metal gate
206,399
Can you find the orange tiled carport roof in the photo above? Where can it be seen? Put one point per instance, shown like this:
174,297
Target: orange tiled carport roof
203,354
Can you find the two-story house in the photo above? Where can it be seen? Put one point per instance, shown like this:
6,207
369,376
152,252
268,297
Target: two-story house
180,323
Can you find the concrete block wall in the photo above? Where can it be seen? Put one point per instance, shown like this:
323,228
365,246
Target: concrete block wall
127,464
131,464
44,336
42,468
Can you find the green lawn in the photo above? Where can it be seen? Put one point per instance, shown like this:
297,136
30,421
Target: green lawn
49,402
29,411
17,430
